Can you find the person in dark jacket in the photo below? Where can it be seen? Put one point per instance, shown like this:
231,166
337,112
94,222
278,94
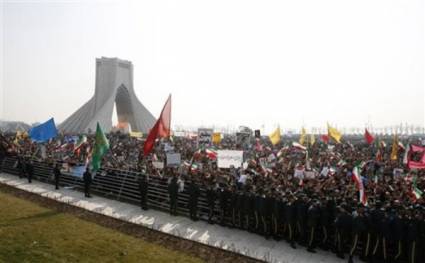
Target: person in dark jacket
367,236
301,216
29,170
143,188
313,216
267,214
234,205
21,167
398,228
248,209
412,236
223,195
57,175
87,182
377,216
357,231
343,228
211,198
194,192
289,218
173,193
257,208
277,207
325,221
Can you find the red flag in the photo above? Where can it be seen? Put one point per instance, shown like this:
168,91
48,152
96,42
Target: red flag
325,138
368,137
161,129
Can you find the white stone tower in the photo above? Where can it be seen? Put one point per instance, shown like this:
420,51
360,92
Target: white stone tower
114,84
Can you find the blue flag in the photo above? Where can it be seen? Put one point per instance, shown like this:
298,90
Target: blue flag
44,131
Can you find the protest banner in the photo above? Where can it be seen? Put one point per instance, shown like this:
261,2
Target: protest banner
158,165
227,158
257,134
136,134
173,159
205,137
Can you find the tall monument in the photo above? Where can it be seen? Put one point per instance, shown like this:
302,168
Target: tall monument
114,84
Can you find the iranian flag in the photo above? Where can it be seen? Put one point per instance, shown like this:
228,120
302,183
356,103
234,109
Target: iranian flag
359,183
415,192
211,153
81,140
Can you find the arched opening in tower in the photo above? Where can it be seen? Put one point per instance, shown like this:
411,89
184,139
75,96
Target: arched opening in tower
122,115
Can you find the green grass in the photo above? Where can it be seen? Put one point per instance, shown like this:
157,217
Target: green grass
30,233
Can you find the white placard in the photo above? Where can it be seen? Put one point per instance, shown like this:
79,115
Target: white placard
158,165
205,137
173,159
226,158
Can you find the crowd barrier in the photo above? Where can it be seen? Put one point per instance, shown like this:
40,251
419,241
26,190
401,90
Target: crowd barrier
118,185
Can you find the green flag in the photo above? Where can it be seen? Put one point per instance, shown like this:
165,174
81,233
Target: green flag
101,145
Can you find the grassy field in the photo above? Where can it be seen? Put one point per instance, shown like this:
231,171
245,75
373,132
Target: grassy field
30,233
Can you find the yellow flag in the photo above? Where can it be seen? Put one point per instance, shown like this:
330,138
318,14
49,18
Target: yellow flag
275,136
303,136
312,139
18,137
216,138
334,134
394,150
136,134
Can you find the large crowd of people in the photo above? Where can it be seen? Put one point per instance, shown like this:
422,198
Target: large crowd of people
305,195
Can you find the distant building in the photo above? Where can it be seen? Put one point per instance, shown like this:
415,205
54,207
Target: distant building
13,126
114,84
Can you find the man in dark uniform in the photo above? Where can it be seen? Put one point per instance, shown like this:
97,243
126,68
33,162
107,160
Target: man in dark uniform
301,216
412,235
376,217
398,228
223,195
313,216
56,174
327,210
267,214
194,192
289,218
87,182
263,213
173,193
29,170
234,205
358,231
143,188
277,207
343,226
211,197
367,236
248,208
380,221
21,166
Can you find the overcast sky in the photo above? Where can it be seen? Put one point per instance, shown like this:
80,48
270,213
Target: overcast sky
225,62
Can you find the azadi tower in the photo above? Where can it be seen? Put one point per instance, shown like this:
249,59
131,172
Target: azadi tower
114,84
